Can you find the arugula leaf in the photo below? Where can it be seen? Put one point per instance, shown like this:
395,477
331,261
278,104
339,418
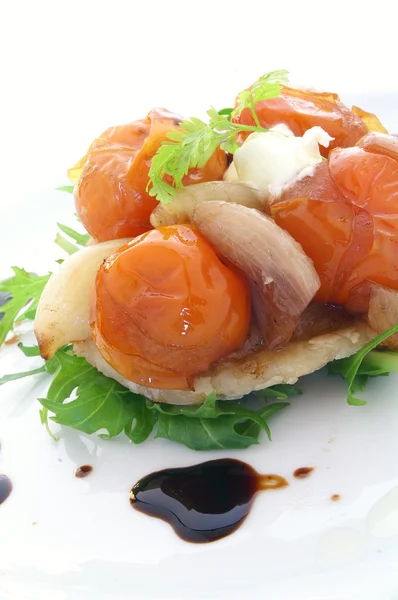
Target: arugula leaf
366,363
65,188
47,367
142,424
193,144
29,350
65,244
79,238
100,403
213,425
21,289
211,409
250,428
15,376
224,432
81,397
281,391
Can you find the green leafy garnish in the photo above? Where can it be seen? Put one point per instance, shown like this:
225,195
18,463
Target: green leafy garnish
366,363
190,147
266,87
281,391
29,350
66,188
225,111
101,403
15,376
81,397
193,144
65,244
24,291
69,247
79,238
214,425
47,367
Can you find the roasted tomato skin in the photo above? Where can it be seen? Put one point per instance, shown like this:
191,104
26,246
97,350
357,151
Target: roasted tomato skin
110,196
346,218
302,109
165,308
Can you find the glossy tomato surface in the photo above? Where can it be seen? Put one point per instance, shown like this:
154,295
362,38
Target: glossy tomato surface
302,109
111,196
346,218
166,308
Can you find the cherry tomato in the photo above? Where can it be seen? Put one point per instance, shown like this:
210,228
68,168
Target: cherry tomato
346,218
165,308
110,196
302,109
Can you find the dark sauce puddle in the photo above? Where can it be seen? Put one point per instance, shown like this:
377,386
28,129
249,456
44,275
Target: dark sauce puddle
205,502
5,487
83,471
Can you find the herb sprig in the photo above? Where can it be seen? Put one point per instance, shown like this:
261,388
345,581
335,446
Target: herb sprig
193,144
266,87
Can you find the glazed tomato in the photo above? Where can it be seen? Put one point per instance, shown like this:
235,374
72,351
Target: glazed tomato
110,196
165,308
346,218
302,109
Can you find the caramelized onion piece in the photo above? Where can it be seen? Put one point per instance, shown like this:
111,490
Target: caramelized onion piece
318,319
63,312
181,209
282,278
383,312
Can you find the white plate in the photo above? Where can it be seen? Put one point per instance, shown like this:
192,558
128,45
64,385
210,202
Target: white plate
67,539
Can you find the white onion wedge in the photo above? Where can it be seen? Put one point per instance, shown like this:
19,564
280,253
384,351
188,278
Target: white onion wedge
318,319
180,210
383,312
282,278
63,312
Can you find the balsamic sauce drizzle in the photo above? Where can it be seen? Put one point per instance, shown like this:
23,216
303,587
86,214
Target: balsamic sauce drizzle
204,502
5,487
83,471
303,472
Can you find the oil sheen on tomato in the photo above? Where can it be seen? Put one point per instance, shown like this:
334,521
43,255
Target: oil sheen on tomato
165,308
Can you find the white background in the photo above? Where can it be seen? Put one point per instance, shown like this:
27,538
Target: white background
69,69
